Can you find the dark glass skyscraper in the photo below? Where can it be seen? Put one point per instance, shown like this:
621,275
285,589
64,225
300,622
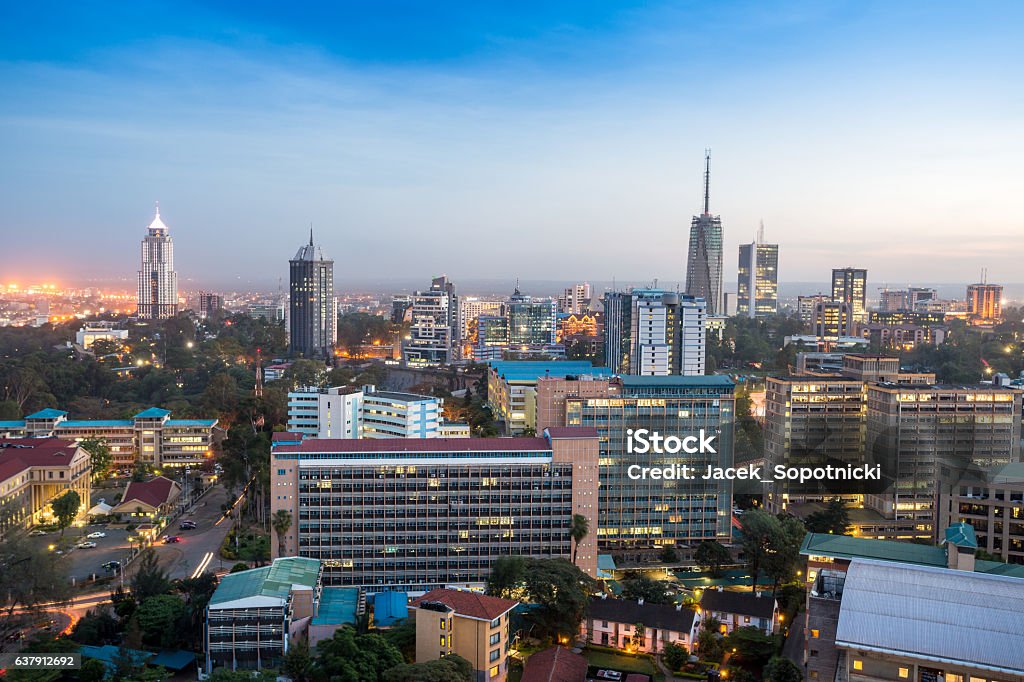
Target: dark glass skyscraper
704,261
312,307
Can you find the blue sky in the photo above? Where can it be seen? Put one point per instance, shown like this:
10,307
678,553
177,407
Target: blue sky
538,140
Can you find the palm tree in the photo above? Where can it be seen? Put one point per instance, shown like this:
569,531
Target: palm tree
579,529
281,522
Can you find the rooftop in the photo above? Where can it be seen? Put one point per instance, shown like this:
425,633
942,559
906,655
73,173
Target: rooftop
338,606
556,664
342,445
19,454
152,413
961,535
679,380
389,608
154,492
399,395
531,370
48,413
661,616
743,603
469,604
274,582
935,614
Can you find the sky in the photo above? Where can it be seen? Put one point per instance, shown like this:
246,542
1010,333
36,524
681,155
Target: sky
554,141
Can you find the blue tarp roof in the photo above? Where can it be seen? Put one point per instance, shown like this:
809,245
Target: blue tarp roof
338,606
389,608
174,659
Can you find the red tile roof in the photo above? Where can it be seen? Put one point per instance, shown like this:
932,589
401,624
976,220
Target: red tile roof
556,664
341,445
471,604
154,492
572,431
18,454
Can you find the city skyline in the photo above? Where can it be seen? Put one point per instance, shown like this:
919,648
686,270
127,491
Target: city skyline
249,123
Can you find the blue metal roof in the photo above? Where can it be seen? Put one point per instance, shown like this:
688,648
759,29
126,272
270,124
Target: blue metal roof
152,413
961,535
389,608
16,424
190,422
338,606
48,413
96,423
529,370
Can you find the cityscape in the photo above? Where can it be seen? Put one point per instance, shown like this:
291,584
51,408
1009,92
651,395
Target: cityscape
727,444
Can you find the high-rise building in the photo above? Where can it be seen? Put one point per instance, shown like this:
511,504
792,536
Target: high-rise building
158,282
531,322
805,307
417,514
850,285
470,309
984,303
758,279
349,412
652,332
704,260
435,326
832,320
313,308
575,300
638,514
209,304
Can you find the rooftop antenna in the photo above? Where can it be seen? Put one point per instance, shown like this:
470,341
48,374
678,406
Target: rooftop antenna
157,208
984,271
760,233
311,234
707,181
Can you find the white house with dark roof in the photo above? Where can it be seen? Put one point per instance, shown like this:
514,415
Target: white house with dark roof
741,609
634,626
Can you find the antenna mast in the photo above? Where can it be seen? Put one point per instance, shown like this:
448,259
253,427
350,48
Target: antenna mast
707,181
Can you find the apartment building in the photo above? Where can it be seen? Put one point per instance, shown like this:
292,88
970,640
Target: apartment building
992,501
151,436
36,471
467,624
735,609
417,514
512,384
333,412
255,616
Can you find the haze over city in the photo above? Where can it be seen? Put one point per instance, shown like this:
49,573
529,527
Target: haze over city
492,142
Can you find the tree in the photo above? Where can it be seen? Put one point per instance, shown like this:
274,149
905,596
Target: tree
651,591
675,656
711,555
781,669
221,394
711,645
240,566
306,374
65,508
451,668
751,645
760,532
99,455
92,670
402,636
669,555
835,519
506,577
97,627
348,657
560,590
151,579
639,633
578,530
298,663
783,560
281,522
158,619
29,575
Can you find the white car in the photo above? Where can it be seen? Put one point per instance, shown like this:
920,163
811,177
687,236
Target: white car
97,534
86,545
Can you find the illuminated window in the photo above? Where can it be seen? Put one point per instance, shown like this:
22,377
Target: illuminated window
814,633
442,640
904,673
494,671
858,664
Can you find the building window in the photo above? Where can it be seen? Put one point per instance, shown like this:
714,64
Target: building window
443,623
904,673
746,620
858,664
814,633
494,671
495,655
496,622
495,638
442,640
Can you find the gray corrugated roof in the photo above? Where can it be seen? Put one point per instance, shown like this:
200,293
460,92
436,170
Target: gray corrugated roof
934,613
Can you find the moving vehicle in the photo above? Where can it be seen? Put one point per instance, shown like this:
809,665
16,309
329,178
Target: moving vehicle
86,545
97,534
171,539
187,525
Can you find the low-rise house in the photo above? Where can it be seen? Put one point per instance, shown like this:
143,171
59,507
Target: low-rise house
740,610
469,624
634,626
148,500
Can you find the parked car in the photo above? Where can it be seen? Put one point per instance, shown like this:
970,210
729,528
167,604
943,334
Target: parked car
111,566
86,545
187,525
96,534
36,533
171,539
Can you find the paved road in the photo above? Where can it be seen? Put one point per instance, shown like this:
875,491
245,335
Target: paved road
182,559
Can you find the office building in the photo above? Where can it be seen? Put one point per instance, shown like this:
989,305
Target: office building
704,258
884,610
652,332
271,312
467,624
758,278
575,300
334,412
158,282
417,514
312,306
512,384
909,299
433,338
36,471
394,414
350,412
209,304
805,306
850,286
254,617
637,517
470,309
831,321
531,322
992,501
984,303
99,330
922,432
151,436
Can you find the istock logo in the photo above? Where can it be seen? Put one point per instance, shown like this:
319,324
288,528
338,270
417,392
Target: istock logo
644,441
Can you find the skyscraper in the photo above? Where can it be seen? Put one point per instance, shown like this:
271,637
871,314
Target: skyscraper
651,332
984,303
704,262
531,322
313,309
758,280
158,282
850,285
435,325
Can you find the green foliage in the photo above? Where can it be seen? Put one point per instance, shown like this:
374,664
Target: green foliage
150,580
29,575
578,530
221,395
771,545
99,455
65,508
229,675
651,591
507,576
451,668
348,657
97,627
781,669
298,663
560,590
751,645
159,617
675,656
306,374
711,555
281,522
92,670
240,566
669,555
402,636
710,644
835,519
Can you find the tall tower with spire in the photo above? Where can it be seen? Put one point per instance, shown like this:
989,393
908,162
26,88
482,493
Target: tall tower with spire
704,258
312,306
158,282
